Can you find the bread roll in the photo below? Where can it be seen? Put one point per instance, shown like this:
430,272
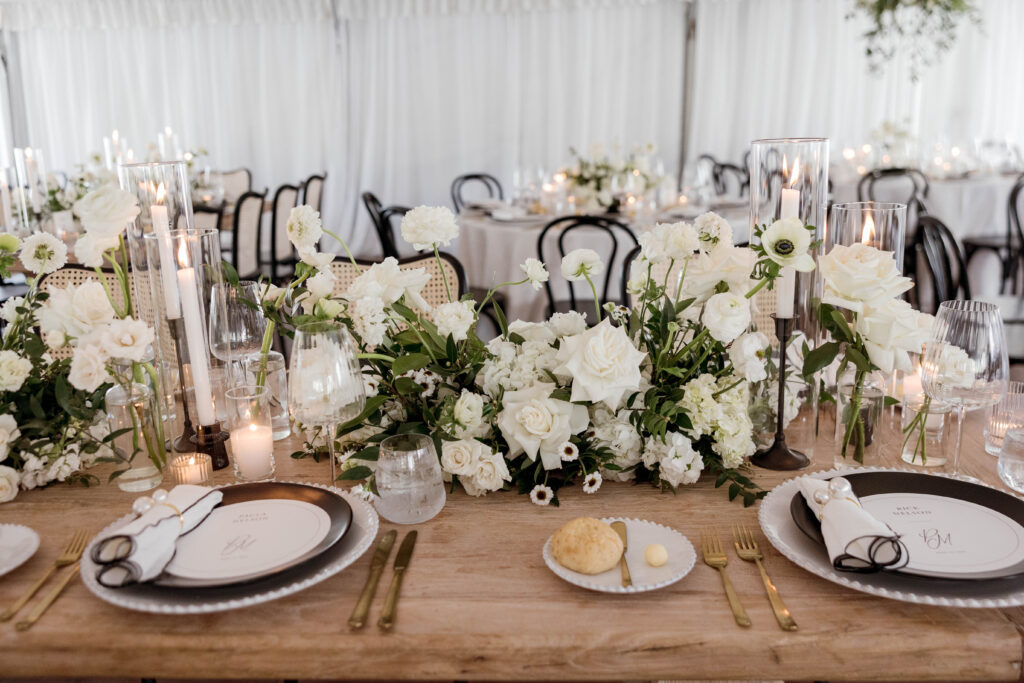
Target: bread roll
586,545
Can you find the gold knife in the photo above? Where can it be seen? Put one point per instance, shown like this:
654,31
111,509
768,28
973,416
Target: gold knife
387,617
380,559
620,529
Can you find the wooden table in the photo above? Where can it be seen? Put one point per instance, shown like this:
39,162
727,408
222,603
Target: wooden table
479,603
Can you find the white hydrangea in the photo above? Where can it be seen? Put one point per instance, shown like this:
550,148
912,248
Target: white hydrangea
427,227
700,404
678,463
733,432
613,431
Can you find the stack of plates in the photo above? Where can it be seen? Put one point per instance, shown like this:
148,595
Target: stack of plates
264,541
965,540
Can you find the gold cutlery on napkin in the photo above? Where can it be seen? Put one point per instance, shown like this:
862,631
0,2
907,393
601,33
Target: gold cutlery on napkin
714,556
620,529
387,617
380,559
746,548
71,553
33,617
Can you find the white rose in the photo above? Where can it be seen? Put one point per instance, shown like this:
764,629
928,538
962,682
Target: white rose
726,316
568,324
533,423
786,242
13,370
90,307
127,339
9,311
55,339
462,457
317,287
531,331
304,227
492,471
731,265
535,272
469,413
106,211
90,247
8,483
891,329
713,231
317,259
427,227
579,264
603,363
43,253
88,368
389,282
9,433
455,318
857,274
747,354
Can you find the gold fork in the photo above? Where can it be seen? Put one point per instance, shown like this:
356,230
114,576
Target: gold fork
72,551
714,556
746,548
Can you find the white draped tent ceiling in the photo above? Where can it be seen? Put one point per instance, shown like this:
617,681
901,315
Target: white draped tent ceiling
400,96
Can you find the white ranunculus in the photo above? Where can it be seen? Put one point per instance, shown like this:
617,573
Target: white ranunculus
304,227
90,247
603,363
319,286
713,231
534,423
9,479
43,253
427,227
786,242
468,412
369,320
455,318
568,324
9,433
531,331
726,316
731,265
462,458
389,282
892,329
128,339
76,311
9,311
669,242
55,339
578,264
14,369
106,211
857,274
318,259
747,354
536,273
88,368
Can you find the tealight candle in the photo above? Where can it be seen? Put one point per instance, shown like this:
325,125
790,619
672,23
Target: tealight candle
191,468
253,450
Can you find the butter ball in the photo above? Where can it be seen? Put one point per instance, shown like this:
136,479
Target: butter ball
656,555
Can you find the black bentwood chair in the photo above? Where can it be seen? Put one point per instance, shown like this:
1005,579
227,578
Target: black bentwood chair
488,181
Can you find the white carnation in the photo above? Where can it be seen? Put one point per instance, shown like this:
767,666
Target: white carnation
455,318
427,227
304,227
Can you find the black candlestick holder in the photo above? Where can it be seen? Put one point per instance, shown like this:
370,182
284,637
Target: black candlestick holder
184,442
779,456
212,441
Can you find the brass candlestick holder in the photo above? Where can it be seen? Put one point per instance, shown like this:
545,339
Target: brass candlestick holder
779,456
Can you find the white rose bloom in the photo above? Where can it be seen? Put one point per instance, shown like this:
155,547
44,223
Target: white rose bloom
43,253
389,282
55,339
747,354
713,231
462,458
726,316
318,259
427,227
469,413
603,363
535,272
88,368
492,472
128,339
533,423
580,263
318,287
369,319
568,324
9,433
786,242
857,274
531,331
90,247
8,483
891,330
76,311
731,265
304,227
13,370
9,311
106,211
455,318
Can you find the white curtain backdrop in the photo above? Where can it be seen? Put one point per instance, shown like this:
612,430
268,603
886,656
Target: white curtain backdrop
797,68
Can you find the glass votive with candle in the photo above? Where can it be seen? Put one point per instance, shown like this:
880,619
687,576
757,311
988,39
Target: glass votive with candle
192,468
1003,416
925,429
251,439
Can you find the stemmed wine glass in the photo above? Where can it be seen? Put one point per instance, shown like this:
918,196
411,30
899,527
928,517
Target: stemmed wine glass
236,322
325,384
965,362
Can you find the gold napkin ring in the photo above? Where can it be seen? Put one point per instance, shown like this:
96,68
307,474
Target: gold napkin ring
181,518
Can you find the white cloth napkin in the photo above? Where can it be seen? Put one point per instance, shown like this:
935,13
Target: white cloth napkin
139,551
855,540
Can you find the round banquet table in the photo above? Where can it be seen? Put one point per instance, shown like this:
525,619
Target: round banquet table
492,251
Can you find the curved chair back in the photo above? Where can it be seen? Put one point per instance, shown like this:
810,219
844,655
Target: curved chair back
944,259
488,181
313,190
374,207
235,183
597,227
914,186
282,254
207,219
245,242
79,275
434,292
726,178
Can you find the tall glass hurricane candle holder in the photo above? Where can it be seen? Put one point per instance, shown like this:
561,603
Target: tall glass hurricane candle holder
789,179
31,179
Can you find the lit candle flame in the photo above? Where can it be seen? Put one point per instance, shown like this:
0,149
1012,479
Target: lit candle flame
183,254
160,193
867,236
796,172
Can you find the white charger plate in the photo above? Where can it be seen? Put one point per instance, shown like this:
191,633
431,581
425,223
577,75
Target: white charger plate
639,534
782,532
171,600
17,544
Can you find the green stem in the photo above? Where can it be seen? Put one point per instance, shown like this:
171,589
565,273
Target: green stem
756,289
593,289
444,275
268,339
495,288
855,424
374,356
345,247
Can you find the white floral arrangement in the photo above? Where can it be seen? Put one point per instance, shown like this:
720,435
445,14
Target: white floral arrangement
599,178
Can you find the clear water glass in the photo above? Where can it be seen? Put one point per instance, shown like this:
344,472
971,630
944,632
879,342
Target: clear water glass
236,323
409,479
276,381
1005,415
1011,460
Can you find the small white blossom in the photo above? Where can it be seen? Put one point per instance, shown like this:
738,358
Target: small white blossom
541,495
428,227
592,482
43,253
14,370
536,273
304,227
579,264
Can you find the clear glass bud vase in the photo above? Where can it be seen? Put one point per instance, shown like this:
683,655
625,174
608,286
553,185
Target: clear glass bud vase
132,409
861,403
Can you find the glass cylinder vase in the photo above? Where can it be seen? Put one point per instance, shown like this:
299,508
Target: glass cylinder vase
789,179
132,410
860,410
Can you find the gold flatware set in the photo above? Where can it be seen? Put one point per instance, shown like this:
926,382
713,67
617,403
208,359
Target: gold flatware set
746,549
380,559
70,555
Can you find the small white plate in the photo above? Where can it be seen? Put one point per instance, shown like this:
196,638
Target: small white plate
17,544
639,534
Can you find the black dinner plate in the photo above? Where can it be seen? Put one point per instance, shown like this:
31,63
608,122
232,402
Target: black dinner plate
872,483
334,505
